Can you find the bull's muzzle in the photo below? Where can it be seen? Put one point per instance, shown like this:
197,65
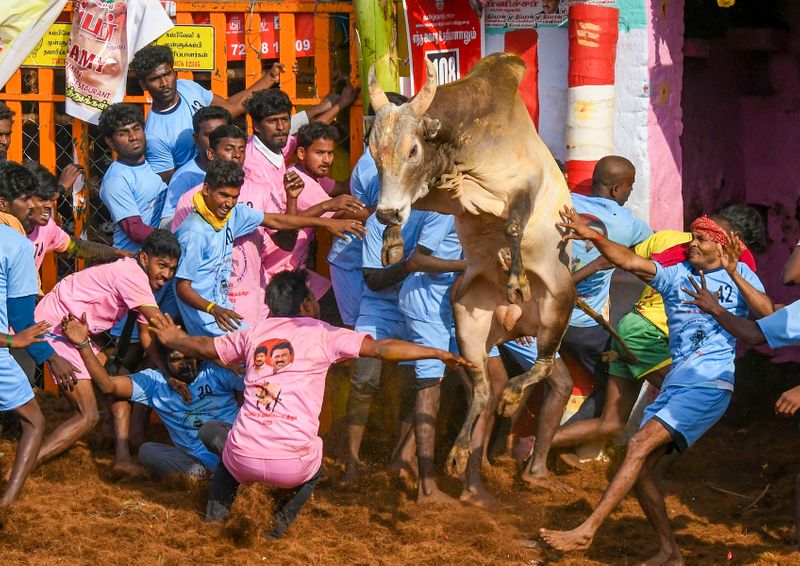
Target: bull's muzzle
389,216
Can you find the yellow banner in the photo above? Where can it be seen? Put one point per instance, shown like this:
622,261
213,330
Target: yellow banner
192,46
51,51
22,25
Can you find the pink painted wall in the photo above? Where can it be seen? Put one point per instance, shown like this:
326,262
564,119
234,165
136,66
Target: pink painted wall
665,121
741,141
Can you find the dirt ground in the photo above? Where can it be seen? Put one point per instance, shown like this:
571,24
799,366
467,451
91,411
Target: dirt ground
74,511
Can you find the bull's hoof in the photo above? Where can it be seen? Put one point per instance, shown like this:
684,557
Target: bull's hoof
392,249
457,459
518,289
510,400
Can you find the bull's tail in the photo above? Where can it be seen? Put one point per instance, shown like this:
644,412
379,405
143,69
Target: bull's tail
626,354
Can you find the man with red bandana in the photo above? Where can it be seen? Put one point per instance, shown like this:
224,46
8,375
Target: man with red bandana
698,388
645,331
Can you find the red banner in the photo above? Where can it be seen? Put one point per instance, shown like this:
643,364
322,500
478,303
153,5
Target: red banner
270,34
447,32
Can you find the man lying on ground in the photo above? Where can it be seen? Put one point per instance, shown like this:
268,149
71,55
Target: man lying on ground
698,388
275,437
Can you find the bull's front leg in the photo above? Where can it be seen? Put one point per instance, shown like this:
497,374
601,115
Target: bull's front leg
517,289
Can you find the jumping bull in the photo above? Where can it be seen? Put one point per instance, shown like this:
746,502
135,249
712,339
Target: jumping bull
470,149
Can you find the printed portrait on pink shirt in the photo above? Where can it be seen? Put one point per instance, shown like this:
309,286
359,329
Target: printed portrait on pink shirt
275,353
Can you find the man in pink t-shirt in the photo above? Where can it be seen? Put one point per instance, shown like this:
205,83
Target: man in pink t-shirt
104,294
47,236
275,437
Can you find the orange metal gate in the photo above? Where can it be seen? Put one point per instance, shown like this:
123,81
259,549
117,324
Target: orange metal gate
43,133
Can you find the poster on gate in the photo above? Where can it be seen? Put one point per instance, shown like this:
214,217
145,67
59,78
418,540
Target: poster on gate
105,34
445,31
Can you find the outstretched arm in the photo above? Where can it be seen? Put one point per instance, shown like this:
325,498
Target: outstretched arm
599,264
618,255
422,259
93,251
77,331
173,338
235,104
227,319
741,328
392,350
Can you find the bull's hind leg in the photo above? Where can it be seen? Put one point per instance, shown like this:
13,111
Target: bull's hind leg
472,329
554,310
518,288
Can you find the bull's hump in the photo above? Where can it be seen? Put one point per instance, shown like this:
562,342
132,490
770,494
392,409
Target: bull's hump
488,93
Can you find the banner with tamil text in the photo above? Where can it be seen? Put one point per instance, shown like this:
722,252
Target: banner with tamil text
105,34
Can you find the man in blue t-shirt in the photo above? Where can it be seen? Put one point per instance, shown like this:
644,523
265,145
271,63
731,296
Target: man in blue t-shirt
132,192
18,281
192,173
380,316
169,123
347,277
698,387
603,210
184,401
207,236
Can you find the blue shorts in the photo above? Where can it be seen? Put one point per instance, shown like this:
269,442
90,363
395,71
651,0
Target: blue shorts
525,355
688,412
433,335
382,328
15,390
348,286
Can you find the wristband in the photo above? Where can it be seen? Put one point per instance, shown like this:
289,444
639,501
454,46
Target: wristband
210,306
599,237
83,345
8,340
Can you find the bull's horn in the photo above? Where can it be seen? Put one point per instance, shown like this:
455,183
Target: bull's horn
377,97
420,103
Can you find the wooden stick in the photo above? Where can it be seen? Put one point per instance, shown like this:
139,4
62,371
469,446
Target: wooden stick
757,499
727,491
626,354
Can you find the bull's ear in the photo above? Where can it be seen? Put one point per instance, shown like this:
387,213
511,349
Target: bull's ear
431,127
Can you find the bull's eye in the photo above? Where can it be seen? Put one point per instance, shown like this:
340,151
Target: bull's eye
413,151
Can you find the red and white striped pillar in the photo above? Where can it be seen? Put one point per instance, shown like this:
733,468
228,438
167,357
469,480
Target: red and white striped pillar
593,32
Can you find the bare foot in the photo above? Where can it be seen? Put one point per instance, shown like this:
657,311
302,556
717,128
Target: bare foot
435,497
129,469
576,539
479,497
665,557
547,482
571,460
